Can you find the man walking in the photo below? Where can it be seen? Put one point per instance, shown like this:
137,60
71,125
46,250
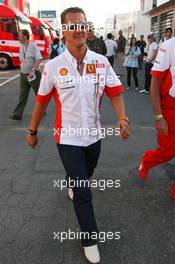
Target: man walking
69,78
30,58
111,48
163,102
121,42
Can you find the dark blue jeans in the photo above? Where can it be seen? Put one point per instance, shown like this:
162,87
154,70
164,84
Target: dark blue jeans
111,60
79,163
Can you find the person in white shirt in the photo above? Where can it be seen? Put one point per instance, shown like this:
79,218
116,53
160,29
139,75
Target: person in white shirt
111,46
151,55
78,79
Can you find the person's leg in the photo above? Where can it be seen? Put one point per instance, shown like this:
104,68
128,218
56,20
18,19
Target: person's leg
24,93
111,60
135,77
74,161
92,154
128,76
36,83
166,149
162,154
148,67
120,62
139,62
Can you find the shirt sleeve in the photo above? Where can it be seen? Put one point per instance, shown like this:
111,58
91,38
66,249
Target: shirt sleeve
113,86
155,46
162,61
46,86
37,53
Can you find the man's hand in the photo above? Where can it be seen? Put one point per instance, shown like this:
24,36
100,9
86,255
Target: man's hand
31,74
32,141
124,129
162,126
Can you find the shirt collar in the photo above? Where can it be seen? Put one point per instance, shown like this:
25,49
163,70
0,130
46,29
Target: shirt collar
72,60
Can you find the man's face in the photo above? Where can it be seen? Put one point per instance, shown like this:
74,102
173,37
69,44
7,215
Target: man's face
21,37
120,33
169,33
150,40
75,38
141,38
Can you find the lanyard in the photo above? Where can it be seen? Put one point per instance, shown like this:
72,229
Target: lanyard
24,51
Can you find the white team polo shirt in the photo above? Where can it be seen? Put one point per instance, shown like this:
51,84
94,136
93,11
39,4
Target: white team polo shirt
164,66
77,98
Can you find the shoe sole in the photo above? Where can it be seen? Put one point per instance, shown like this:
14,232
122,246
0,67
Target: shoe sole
88,262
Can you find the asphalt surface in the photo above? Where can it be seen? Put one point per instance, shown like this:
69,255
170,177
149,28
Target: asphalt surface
32,209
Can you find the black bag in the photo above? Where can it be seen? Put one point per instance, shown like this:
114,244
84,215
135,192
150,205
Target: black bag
54,51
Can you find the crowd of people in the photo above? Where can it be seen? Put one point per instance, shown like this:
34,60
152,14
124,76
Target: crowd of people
81,53
131,54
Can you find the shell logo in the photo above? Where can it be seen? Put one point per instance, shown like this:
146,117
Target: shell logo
63,71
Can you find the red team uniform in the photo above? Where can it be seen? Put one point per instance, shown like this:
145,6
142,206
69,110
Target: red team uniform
164,68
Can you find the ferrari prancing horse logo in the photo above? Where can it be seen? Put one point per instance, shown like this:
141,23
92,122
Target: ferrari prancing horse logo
90,69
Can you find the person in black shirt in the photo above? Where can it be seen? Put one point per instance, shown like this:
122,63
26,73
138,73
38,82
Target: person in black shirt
95,44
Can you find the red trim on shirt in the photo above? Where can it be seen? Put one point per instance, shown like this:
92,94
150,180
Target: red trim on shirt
166,81
43,99
58,116
158,74
114,91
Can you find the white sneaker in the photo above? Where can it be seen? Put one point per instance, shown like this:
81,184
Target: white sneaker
70,194
128,88
143,91
92,254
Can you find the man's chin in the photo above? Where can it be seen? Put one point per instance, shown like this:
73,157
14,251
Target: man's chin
80,44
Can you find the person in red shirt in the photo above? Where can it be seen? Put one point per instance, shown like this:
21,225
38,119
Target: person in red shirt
163,103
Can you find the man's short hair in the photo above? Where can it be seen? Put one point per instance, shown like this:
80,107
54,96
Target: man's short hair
25,32
142,36
109,36
169,29
71,10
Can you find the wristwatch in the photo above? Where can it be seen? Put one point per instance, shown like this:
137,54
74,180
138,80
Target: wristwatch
32,132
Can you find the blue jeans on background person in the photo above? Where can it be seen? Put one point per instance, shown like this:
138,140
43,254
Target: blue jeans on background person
111,60
79,163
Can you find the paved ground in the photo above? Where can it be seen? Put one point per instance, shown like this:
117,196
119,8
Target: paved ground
8,76
31,209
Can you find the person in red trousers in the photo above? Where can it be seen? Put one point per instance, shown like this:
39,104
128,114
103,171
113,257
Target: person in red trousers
163,102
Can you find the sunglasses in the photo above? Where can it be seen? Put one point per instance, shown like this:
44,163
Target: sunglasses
75,26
